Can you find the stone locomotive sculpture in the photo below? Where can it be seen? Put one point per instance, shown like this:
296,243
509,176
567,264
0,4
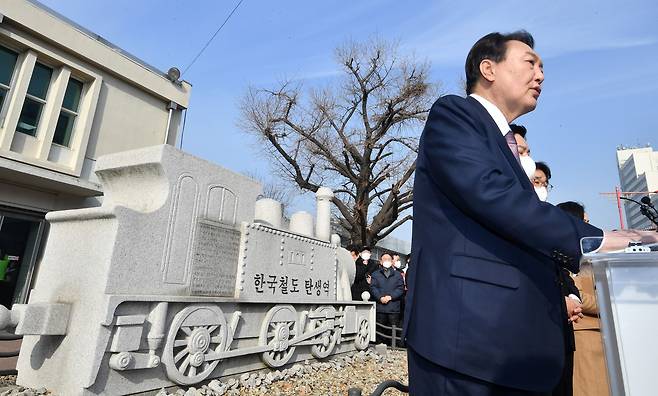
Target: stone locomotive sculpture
182,276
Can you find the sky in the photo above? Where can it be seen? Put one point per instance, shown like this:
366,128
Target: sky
599,58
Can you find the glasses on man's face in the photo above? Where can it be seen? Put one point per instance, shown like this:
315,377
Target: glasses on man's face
538,182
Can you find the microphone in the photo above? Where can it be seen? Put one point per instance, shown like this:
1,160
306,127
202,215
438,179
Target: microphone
646,209
647,201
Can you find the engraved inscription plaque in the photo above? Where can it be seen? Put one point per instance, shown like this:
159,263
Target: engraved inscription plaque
215,260
279,266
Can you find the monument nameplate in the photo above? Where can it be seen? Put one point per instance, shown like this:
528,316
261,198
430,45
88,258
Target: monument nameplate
281,266
215,259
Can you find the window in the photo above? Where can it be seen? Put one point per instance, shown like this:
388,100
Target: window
34,100
7,64
68,113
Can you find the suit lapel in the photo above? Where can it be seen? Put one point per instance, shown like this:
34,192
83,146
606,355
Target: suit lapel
493,132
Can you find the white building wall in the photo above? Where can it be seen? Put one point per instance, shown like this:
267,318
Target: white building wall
125,104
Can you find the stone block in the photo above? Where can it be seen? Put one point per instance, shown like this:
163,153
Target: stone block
42,318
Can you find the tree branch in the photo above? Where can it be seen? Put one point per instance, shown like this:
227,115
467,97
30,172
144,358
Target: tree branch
392,227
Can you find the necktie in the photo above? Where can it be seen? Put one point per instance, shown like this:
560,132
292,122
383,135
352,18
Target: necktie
511,142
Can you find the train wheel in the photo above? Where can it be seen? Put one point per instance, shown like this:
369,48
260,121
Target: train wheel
325,341
278,329
194,333
363,335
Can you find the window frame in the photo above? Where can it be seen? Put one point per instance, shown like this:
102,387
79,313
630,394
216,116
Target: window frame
41,151
75,114
42,102
12,81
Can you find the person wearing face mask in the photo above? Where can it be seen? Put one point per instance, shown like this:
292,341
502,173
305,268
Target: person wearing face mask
387,288
541,181
485,315
364,268
538,172
397,264
527,163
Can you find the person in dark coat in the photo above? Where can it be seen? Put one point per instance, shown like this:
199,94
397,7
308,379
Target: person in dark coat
397,264
365,266
387,289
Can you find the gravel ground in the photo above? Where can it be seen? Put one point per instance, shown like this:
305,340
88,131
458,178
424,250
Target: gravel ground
7,380
364,370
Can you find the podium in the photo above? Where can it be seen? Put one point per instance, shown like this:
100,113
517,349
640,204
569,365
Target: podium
627,293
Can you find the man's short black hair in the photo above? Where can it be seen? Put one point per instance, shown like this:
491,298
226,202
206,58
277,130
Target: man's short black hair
353,248
493,46
518,130
544,168
575,209
385,252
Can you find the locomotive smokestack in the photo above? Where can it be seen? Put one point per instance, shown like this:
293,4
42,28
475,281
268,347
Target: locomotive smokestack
323,215
268,211
302,223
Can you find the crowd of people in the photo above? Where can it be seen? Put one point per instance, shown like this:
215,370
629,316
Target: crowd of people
381,281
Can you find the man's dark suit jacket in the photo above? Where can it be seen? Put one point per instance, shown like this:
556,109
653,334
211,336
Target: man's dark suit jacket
484,294
391,285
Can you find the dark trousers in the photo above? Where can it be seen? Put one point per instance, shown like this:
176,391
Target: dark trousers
565,387
389,320
428,378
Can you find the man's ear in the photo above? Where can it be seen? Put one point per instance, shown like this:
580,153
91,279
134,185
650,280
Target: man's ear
487,69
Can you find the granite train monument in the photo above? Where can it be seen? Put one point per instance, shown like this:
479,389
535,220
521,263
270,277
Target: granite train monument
182,275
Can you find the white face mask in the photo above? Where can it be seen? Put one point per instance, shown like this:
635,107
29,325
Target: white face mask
528,165
386,264
542,193
397,264
365,256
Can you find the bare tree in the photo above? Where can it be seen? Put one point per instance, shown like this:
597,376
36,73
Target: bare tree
276,190
358,136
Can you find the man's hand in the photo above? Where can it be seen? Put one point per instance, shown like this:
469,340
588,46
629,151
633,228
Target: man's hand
574,309
385,299
368,278
617,240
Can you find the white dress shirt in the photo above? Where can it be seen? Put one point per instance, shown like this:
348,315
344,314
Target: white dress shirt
494,112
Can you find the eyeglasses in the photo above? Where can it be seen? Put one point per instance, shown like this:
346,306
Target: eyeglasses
539,183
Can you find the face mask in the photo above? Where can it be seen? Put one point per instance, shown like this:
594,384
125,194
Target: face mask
386,264
365,256
542,193
528,165
397,264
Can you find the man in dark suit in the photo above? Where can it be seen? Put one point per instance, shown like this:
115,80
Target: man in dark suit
387,289
485,314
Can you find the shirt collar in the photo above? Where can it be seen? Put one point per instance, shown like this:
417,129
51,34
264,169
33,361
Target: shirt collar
494,112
